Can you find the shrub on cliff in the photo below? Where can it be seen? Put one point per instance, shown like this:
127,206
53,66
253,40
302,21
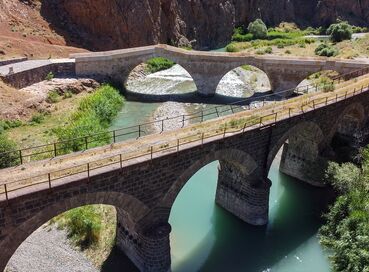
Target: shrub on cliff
340,31
258,29
158,64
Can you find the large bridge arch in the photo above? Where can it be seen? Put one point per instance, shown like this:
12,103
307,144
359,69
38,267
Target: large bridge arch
248,75
241,160
352,119
239,174
301,157
129,211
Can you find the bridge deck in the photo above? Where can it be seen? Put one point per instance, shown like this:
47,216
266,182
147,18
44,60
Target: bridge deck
79,165
29,65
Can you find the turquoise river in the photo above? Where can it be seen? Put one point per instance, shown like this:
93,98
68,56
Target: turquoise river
205,237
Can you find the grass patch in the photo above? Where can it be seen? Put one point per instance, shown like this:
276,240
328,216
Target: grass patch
53,97
8,124
93,116
37,118
158,64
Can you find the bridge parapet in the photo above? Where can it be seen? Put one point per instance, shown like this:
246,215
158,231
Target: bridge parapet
208,68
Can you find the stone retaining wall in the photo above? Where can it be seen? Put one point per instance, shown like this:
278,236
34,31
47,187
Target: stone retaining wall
10,61
25,78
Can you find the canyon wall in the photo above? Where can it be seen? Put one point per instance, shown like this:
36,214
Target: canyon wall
110,24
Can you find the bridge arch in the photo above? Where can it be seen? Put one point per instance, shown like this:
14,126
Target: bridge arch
129,211
239,159
352,119
134,80
321,79
239,179
302,145
243,81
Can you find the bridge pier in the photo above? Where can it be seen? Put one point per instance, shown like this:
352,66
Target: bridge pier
303,166
148,249
244,196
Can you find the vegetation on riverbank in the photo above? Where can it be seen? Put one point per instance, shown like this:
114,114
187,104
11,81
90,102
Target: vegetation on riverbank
346,232
93,116
159,64
91,228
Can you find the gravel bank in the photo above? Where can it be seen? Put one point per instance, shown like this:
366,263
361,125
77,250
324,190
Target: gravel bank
49,250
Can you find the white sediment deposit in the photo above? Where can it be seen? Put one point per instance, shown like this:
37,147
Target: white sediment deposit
172,109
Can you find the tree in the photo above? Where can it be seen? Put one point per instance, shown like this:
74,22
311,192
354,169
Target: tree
340,31
346,231
258,29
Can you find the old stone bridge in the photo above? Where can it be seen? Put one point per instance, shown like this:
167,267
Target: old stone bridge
144,187
208,68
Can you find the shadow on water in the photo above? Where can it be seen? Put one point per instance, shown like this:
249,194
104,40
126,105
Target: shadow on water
193,97
242,247
118,262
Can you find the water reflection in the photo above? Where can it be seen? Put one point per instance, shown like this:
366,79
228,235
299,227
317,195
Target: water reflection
288,243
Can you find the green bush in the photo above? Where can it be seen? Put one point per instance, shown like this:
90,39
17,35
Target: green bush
53,97
158,64
346,231
326,50
49,76
340,31
358,29
105,103
8,124
83,225
268,50
37,118
11,156
94,115
67,94
258,29
231,48
240,36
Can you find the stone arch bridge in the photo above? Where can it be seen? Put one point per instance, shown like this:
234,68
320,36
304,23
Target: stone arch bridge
208,68
144,188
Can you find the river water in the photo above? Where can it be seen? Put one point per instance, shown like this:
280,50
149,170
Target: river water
207,238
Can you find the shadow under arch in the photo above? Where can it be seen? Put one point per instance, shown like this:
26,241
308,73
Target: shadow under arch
348,133
131,206
305,132
353,117
251,79
241,160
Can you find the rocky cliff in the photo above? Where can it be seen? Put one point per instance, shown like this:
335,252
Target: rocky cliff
110,24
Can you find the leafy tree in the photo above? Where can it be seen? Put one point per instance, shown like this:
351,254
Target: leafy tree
340,31
346,232
258,29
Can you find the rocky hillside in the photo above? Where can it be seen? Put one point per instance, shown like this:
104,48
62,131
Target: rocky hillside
25,32
110,24
107,24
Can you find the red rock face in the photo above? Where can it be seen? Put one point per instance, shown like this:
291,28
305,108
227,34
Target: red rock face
110,24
